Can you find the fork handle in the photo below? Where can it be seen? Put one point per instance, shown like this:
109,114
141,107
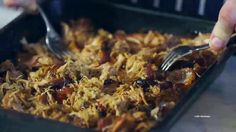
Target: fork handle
206,46
201,47
45,19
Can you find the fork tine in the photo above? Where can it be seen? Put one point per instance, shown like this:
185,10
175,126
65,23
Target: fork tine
58,52
171,63
67,53
167,58
61,51
169,55
54,51
167,65
64,49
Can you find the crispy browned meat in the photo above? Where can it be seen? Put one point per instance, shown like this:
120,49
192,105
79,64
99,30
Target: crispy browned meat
114,84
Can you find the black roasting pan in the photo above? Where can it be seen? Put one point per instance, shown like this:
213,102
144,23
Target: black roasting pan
111,17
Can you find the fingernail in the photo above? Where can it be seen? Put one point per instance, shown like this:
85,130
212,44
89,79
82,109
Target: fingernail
217,43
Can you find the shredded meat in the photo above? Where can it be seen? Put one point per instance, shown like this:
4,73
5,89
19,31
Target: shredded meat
112,83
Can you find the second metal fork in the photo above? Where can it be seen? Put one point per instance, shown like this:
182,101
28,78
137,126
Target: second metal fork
182,51
53,40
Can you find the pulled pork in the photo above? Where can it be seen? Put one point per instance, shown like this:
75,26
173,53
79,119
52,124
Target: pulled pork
112,83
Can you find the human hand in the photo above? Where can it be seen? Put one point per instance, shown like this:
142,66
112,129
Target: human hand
224,27
26,4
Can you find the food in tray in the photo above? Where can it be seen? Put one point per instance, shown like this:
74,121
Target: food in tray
113,83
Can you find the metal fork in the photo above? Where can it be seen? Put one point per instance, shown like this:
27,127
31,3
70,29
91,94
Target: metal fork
178,53
182,51
53,41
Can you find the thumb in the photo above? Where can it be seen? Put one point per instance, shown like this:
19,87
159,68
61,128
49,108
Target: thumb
224,27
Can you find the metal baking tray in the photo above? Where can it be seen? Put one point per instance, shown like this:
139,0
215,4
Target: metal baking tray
111,17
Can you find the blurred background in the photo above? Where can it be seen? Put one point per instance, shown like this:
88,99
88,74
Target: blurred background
7,15
206,9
